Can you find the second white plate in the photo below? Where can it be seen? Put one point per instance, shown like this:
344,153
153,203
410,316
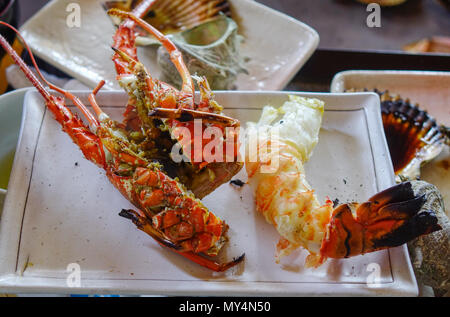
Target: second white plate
277,45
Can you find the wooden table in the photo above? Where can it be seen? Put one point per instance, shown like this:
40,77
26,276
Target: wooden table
342,23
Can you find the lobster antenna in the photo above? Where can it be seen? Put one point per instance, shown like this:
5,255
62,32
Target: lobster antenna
92,120
28,73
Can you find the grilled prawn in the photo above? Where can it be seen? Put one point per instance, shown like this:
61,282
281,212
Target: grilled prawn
283,195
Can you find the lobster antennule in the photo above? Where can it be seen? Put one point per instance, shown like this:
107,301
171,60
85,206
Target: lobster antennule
124,38
175,54
390,218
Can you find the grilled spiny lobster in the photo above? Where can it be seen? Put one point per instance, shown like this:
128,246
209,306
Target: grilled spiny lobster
134,153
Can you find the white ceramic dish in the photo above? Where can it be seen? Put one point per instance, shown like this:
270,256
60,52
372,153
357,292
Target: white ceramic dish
429,89
61,209
276,44
11,105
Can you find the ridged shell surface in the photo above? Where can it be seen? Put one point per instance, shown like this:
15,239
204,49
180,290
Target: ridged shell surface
413,136
171,16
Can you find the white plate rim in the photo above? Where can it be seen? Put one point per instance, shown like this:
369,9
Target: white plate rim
338,81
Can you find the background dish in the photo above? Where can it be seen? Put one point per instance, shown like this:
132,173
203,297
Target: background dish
276,44
11,105
69,215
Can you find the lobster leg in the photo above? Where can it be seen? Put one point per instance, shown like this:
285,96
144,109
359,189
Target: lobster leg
388,219
124,39
144,224
206,96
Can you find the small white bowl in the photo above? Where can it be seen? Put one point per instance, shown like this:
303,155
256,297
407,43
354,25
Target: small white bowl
11,105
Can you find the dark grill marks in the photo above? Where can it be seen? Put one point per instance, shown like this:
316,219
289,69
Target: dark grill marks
347,239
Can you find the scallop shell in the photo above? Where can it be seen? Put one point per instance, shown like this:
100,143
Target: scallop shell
413,136
172,16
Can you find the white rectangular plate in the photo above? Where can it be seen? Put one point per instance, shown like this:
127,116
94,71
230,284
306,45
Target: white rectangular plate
429,89
277,45
61,209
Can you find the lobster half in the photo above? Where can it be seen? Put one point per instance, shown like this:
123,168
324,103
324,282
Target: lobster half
167,210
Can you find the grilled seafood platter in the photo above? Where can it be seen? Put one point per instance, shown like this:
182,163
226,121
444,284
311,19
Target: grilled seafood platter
138,159
134,155
202,30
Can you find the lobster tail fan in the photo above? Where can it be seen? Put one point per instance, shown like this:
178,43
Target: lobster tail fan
391,218
422,223
412,207
398,193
